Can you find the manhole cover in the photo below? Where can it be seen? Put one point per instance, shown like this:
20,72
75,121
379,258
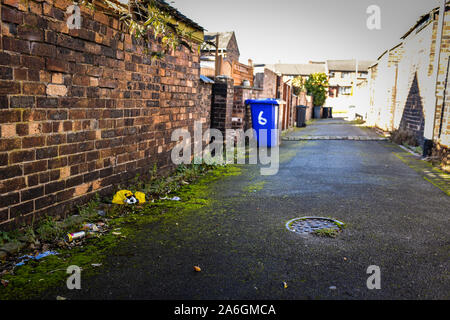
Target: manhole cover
309,225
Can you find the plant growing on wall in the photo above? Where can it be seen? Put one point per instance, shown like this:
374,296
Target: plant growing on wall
144,20
299,85
316,86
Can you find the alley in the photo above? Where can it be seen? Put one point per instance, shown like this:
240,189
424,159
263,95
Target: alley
394,218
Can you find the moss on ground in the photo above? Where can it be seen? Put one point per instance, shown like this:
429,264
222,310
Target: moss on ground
35,277
255,187
433,175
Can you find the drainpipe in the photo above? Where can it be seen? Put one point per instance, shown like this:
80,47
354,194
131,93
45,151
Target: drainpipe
430,118
217,71
443,102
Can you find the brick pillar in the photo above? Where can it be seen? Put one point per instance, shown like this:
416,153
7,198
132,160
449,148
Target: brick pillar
222,103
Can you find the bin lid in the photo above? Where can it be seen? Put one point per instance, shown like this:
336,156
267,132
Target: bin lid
262,101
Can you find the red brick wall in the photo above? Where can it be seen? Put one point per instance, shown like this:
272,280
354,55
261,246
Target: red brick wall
222,103
82,110
304,100
241,94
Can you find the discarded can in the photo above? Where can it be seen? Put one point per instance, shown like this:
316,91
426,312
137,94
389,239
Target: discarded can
76,236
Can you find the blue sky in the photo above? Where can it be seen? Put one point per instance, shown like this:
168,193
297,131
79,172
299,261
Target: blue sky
296,31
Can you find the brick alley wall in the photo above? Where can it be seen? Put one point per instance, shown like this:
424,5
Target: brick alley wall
222,103
305,100
442,119
83,110
383,89
240,110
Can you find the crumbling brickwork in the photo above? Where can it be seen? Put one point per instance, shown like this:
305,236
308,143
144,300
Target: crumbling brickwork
83,110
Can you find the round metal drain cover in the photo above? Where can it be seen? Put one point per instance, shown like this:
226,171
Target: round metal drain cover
308,225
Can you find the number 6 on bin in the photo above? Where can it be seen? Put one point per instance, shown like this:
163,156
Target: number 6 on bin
262,121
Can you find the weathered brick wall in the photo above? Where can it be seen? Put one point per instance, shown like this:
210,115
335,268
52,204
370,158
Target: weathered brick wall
401,88
82,110
304,100
383,90
241,94
222,103
442,128
268,82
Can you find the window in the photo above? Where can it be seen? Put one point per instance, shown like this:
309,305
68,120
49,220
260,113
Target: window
362,74
332,92
345,90
346,75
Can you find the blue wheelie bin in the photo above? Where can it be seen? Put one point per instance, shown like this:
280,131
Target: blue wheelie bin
265,117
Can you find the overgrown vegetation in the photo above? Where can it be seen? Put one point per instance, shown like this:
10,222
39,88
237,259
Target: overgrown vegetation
299,85
402,137
327,232
146,20
316,86
51,230
123,221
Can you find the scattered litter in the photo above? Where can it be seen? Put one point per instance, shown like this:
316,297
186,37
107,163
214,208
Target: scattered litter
197,269
171,199
5,283
60,298
345,259
116,233
75,236
37,257
332,288
101,213
184,182
285,285
127,197
90,226
96,264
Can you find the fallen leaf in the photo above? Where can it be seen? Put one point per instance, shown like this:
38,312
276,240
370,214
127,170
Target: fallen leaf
116,233
60,298
5,283
197,269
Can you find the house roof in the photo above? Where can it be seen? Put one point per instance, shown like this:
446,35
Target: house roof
224,40
178,15
424,18
297,69
349,65
163,5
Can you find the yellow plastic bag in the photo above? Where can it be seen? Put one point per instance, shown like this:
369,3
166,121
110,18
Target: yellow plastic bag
140,197
127,197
